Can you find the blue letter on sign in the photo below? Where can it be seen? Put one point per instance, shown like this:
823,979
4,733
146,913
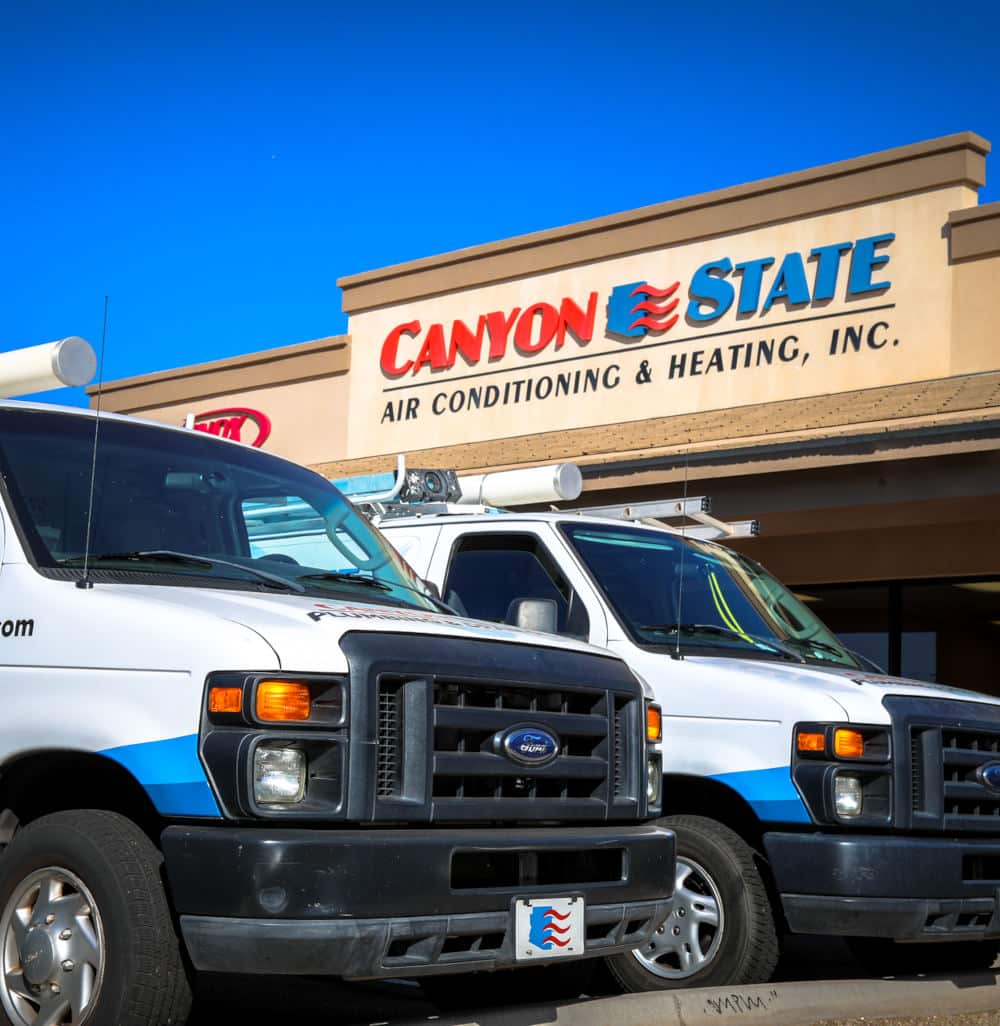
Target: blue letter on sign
864,261
790,284
753,272
827,268
710,289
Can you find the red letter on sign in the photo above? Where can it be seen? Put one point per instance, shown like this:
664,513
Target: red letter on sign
499,326
433,350
232,428
549,323
390,349
579,324
465,342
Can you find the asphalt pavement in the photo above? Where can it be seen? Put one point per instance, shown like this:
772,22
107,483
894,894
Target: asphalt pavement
817,979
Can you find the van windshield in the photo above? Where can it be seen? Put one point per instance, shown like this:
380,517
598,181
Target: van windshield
670,591
176,507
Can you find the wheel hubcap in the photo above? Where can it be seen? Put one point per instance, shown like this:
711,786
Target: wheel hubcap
51,950
691,937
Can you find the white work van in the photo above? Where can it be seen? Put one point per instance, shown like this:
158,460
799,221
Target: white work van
235,761
809,792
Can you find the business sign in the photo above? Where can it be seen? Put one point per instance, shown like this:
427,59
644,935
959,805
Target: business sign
638,309
833,303
238,423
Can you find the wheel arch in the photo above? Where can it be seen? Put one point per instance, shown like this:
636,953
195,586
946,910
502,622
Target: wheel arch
34,784
712,799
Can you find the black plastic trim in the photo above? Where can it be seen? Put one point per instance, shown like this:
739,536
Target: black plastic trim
294,873
397,947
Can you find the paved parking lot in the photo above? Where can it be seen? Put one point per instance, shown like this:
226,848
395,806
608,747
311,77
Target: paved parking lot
256,1001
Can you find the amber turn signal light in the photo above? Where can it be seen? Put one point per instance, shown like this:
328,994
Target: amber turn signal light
279,701
225,700
807,741
848,744
654,723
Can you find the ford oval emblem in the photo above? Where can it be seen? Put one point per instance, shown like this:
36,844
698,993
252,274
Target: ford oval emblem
530,746
989,774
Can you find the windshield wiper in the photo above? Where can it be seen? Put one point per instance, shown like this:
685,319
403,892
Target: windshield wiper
182,559
777,647
346,577
353,577
821,645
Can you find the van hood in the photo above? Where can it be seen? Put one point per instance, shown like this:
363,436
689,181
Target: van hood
858,692
305,631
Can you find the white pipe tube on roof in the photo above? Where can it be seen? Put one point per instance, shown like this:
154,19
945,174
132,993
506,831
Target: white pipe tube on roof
554,483
70,361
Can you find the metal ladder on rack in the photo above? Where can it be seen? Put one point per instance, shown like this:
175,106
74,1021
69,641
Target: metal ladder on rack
384,497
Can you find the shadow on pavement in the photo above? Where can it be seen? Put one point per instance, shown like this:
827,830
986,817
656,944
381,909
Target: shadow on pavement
256,1001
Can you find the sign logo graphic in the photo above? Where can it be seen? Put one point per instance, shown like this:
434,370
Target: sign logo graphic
545,930
632,311
229,423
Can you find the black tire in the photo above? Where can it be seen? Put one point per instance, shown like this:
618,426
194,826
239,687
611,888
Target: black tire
123,941
719,872
884,957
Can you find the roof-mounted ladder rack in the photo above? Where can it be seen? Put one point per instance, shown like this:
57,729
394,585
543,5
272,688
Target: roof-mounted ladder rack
696,507
385,496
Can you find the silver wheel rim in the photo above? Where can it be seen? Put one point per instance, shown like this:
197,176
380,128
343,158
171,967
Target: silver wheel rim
51,950
690,938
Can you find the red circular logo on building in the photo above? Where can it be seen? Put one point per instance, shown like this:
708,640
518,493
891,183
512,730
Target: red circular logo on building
237,423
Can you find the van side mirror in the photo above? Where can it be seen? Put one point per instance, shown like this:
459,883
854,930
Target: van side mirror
431,588
534,615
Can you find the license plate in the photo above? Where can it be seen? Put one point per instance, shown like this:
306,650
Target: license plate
548,927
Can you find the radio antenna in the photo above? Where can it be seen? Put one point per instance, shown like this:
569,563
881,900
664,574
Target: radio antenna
680,590
85,581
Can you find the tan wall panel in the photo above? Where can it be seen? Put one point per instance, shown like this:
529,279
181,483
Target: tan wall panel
308,418
321,357
917,341
872,555
975,231
976,314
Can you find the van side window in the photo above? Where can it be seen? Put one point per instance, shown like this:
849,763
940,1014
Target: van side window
489,572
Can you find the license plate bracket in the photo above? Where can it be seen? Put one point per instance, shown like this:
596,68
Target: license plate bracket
549,927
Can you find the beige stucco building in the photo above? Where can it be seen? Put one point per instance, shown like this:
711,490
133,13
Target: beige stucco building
817,350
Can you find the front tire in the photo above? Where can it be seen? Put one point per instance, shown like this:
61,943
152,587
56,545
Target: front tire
86,935
721,930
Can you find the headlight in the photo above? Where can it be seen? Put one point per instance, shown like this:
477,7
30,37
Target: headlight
847,796
844,772
277,745
654,781
279,775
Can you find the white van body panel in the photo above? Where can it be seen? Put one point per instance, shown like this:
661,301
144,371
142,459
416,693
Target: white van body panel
725,718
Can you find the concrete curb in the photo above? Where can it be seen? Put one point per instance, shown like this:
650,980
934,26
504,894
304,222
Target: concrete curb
773,1004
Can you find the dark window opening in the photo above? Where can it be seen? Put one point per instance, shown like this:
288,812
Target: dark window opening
488,573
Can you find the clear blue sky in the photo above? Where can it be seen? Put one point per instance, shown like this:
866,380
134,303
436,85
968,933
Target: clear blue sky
215,167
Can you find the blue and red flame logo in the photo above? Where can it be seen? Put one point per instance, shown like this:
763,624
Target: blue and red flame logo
632,311
545,930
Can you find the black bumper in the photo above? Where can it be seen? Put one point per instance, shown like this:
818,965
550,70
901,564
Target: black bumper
403,902
906,888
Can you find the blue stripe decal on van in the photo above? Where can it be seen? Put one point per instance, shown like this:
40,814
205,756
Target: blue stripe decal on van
171,773
769,792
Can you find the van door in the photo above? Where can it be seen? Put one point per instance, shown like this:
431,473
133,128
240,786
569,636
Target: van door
484,570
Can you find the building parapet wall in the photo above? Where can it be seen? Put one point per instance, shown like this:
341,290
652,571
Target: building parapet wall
324,357
958,159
